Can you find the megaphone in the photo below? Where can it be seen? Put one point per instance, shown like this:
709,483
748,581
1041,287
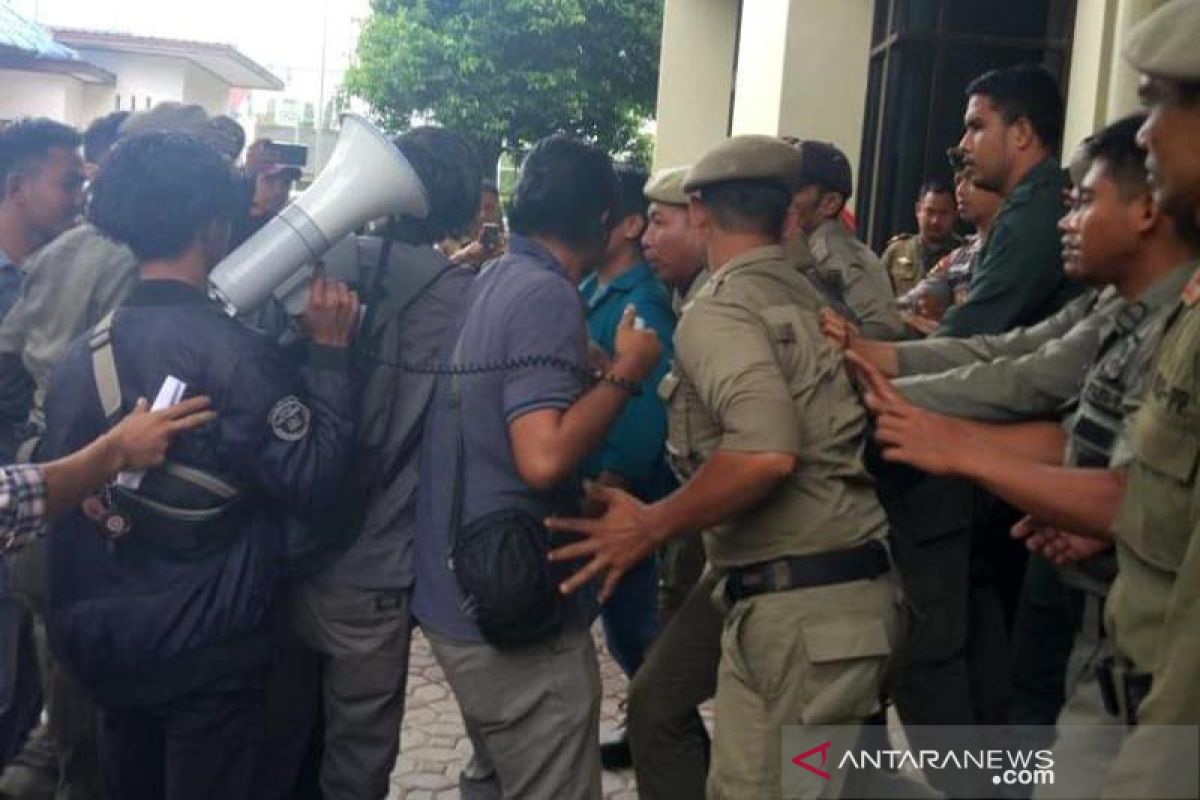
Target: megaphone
367,177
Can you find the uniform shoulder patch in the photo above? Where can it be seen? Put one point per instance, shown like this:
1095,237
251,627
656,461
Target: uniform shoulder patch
290,419
1191,290
899,237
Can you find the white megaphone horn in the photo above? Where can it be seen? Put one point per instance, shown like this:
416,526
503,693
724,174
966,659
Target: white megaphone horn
367,177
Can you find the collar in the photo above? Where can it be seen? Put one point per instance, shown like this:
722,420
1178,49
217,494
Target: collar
1170,287
523,245
166,293
1045,171
770,252
624,283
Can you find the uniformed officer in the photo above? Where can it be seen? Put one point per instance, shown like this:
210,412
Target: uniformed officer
1154,608
765,423
676,253
671,246
841,267
667,737
908,257
162,595
1114,235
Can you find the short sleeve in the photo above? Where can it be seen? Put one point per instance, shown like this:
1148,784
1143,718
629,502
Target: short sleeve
725,352
545,337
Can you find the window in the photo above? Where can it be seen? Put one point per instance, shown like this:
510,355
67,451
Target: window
923,55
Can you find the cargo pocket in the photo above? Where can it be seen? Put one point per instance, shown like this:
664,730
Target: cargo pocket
678,446
1168,448
847,660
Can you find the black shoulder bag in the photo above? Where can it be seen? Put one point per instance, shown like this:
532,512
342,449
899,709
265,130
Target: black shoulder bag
500,562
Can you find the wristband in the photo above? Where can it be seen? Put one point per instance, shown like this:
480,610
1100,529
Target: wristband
631,388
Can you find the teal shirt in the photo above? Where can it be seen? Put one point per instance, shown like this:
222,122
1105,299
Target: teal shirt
634,447
1019,278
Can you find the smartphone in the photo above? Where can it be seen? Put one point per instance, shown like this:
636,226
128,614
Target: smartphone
489,237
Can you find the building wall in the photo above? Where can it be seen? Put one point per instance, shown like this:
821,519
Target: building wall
801,70
202,87
142,81
1102,87
695,78
34,94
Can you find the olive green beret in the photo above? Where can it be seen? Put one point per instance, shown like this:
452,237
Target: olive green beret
666,186
747,158
1164,43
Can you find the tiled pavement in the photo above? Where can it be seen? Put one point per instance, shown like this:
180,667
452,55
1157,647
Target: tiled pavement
434,745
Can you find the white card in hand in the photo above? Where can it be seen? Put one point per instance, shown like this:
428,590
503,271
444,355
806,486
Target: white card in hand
170,393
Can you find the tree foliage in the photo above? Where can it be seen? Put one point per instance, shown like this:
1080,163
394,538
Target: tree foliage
508,72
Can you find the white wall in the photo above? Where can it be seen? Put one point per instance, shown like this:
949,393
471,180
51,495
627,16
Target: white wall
202,87
140,78
34,94
1102,87
695,78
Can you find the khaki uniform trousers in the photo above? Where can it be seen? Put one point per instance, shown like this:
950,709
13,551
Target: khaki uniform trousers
812,656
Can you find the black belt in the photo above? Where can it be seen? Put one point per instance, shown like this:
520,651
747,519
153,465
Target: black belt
1122,690
864,562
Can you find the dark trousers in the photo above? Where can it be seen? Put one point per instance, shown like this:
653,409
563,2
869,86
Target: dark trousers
631,616
203,745
666,733
1042,639
26,697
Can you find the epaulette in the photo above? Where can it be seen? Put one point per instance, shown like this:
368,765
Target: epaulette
1191,291
899,237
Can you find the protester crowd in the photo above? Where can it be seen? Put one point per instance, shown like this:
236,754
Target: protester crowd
807,482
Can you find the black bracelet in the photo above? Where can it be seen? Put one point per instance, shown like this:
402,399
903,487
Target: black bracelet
631,388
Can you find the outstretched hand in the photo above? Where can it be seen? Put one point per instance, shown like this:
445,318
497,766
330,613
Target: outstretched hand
615,541
1057,546
911,435
837,329
142,437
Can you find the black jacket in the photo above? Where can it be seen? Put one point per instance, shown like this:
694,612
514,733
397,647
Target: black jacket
132,623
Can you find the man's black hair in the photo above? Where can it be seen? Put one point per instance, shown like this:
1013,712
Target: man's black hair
747,206
26,143
1124,159
565,189
631,198
157,192
101,135
449,169
1025,90
936,186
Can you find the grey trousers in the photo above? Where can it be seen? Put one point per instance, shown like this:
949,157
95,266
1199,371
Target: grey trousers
532,713
348,651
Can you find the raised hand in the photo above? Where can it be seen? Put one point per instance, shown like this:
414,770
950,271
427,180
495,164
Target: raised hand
615,541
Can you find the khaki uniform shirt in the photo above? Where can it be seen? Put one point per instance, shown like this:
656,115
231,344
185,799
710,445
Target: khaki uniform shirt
1153,610
70,285
752,373
857,276
908,259
680,299
1011,376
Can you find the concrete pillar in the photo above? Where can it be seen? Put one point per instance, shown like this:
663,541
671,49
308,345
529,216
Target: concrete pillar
695,78
802,70
1102,87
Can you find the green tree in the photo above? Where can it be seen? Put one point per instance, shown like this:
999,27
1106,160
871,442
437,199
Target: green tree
508,72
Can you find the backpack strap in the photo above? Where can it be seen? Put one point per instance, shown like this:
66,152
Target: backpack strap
104,368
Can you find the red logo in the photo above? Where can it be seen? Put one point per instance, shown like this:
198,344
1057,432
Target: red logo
801,760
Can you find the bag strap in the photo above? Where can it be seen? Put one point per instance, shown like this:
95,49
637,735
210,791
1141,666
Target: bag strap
460,454
403,285
104,368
